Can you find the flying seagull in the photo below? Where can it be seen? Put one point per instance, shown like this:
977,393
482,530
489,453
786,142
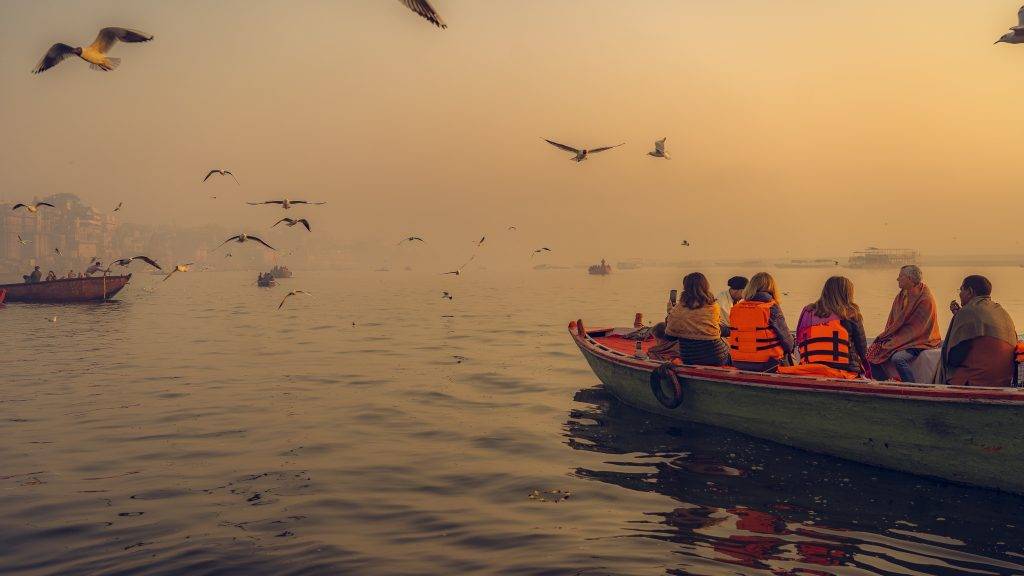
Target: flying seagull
227,255
127,261
178,268
684,243
21,241
512,228
481,241
96,53
57,250
32,208
458,272
659,149
447,294
242,238
119,204
293,221
1016,33
424,9
539,250
292,293
286,203
412,239
221,172
581,154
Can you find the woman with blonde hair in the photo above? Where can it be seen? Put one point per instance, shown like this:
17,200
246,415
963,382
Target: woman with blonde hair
830,334
760,337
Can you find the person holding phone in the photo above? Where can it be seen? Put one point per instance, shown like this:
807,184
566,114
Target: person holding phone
695,322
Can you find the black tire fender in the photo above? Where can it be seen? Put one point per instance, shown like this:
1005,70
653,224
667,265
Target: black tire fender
666,372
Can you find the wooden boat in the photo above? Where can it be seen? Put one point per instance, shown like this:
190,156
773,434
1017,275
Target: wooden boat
95,289
970,435
602,269
266,281
281,272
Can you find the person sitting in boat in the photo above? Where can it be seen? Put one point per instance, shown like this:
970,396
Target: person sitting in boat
71,274
980,342
695,322
731,295
760,337
51,276
35,276
665,347
830,334
912,327
93,268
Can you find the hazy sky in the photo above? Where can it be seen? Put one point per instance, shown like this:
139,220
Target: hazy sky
794,125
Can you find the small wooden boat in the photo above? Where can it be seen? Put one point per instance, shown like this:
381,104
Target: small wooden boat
94,289
266,281
602,269
970,435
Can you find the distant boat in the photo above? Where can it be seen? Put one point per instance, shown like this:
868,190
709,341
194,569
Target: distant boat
280,272
602,269
629,264
809,263
882,258
266,280
94,289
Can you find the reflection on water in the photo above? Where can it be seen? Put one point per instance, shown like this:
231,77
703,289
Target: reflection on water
752,507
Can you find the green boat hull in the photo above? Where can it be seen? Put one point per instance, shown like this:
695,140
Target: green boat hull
980,443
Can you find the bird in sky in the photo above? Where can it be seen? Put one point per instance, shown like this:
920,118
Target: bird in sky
240,238
228,255
424,9
290,294
412,239
178,268
480,242
96,53
458,271
447,295
512,228
684,243
293,221
57,250
1016,33
581,153
33,208
119,204
659,150
127,261
221,172
286,203
22,241
539,250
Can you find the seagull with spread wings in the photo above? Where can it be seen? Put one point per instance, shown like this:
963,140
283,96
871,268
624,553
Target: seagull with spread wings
659,150
1016,33
118,207
539,250
293,221
33,208
412,239
286,203
126,261
57,251
221,172
424,9
292,293
581,153
178,268
480,242
446,295
22,241
96,53
458,271
240,238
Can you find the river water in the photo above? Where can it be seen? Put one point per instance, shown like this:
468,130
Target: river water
373,428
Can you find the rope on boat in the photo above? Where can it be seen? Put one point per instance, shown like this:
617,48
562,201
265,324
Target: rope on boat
663,372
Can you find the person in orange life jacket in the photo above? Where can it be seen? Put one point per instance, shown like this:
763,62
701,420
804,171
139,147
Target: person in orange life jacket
760,337
696,322
831,331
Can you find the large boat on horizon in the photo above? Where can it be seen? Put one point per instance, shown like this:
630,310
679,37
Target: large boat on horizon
965,434
882,258
62,290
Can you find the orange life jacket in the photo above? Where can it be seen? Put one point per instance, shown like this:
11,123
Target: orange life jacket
751,337
827,344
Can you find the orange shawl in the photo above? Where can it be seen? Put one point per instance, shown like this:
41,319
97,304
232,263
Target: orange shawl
912,323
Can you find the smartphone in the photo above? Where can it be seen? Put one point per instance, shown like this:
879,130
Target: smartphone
672,296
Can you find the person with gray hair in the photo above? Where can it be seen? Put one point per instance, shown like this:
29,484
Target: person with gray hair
912,327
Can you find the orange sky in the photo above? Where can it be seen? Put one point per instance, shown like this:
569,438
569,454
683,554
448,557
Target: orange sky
803,126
